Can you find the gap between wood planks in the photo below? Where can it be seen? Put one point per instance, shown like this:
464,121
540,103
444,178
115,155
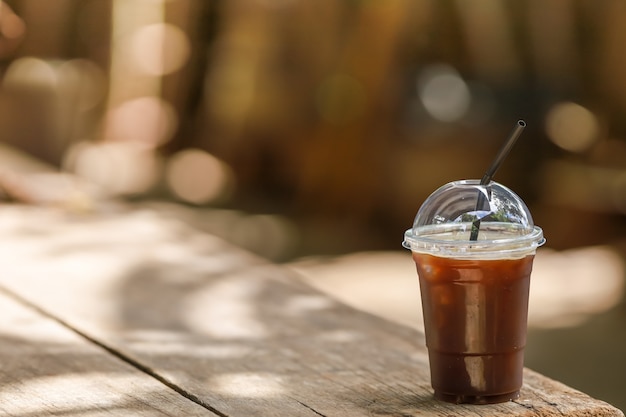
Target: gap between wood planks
139,366
125,358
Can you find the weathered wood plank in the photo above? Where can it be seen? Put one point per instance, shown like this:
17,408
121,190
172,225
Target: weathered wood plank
244,336
48,370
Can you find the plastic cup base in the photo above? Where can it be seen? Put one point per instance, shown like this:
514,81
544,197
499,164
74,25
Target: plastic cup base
476,399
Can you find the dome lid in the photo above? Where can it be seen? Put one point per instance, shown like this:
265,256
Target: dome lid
464,218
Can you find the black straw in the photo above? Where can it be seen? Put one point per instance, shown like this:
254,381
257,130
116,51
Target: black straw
504,151
486,179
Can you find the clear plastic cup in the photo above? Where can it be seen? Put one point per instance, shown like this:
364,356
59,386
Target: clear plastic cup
474,292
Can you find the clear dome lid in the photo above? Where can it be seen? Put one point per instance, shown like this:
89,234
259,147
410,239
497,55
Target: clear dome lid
466,219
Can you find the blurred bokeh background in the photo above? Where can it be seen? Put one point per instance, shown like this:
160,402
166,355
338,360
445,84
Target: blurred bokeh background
299,128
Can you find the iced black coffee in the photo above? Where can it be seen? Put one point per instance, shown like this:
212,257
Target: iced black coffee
474,292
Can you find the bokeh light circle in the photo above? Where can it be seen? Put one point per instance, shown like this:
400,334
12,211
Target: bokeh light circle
195,176
160,49
572,127
443,93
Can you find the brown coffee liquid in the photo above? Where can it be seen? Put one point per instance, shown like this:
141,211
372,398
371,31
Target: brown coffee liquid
475,317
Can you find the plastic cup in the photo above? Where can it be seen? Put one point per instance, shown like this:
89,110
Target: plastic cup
474,292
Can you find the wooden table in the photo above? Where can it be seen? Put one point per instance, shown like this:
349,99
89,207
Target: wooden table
131,313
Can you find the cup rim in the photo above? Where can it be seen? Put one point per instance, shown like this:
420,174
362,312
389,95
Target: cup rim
502,247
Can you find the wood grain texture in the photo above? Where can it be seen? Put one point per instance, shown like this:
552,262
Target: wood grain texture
48,370
245,337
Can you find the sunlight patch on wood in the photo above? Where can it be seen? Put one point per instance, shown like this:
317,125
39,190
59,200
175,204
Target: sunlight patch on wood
86,388
225,310
248,385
